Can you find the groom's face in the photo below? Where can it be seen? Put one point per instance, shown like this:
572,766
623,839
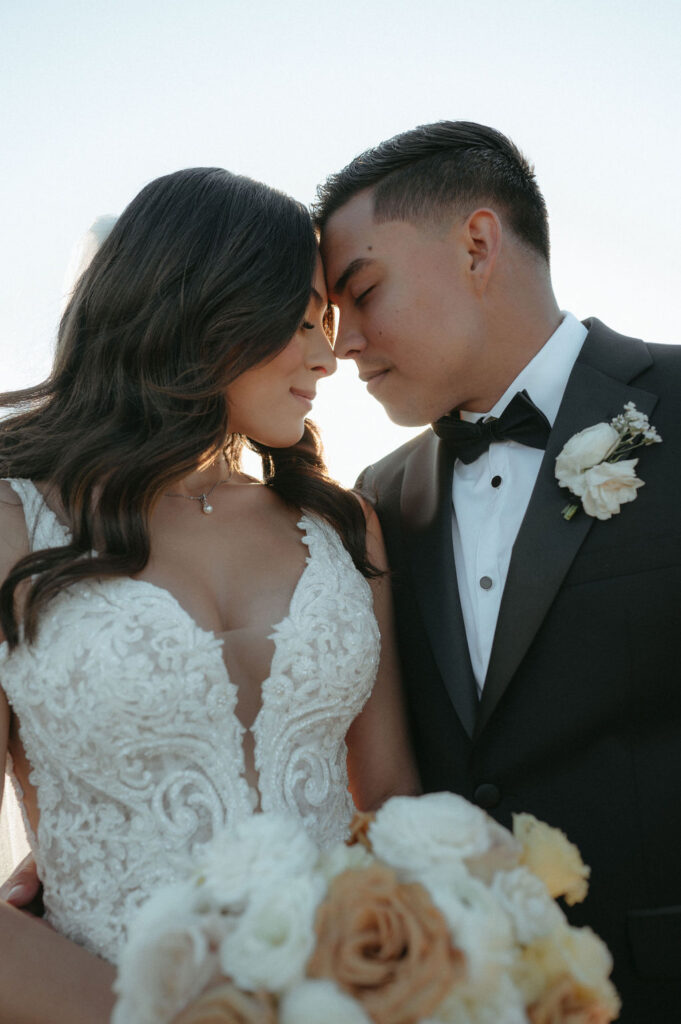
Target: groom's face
409,314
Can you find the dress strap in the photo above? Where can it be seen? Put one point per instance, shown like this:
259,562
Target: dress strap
44,529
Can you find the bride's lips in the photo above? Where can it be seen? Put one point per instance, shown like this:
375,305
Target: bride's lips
373,380
306,397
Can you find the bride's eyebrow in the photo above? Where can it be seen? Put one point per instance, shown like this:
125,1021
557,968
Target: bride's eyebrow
352,268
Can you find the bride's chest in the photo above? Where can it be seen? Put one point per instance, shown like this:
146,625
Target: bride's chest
122,658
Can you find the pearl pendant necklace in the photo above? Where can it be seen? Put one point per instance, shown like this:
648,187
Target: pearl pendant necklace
206,507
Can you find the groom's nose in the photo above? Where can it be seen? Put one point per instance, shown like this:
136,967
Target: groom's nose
350,343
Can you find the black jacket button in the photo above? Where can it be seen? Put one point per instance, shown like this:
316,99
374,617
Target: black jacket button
487,795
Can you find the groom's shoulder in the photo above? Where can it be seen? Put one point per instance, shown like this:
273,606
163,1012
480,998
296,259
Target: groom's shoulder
645,358
390,466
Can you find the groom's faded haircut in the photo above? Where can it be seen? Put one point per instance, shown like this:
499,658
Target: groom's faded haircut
451,166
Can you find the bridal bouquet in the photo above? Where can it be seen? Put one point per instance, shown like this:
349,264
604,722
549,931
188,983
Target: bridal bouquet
431,914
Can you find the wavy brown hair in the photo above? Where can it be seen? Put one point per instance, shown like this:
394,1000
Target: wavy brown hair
204,275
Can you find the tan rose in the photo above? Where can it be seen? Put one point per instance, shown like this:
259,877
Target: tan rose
224,1003
566,1002
359,829
549,854
386,945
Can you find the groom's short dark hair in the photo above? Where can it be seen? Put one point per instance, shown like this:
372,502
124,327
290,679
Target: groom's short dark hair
424,173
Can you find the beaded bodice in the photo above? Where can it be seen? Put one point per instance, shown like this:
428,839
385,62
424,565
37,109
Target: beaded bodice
127,716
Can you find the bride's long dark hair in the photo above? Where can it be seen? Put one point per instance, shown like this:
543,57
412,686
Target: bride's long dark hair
204,275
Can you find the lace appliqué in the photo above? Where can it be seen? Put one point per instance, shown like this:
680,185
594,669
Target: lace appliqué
128,716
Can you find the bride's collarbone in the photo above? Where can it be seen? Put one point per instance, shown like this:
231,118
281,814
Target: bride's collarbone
241,580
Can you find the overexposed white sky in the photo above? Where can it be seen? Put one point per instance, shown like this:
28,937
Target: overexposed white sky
98,98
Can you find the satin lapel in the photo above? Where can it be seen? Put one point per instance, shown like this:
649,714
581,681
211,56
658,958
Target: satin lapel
547,544
426,508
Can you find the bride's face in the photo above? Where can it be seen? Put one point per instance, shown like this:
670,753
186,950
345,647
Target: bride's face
269,402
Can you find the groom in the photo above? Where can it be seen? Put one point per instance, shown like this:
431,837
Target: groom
541,655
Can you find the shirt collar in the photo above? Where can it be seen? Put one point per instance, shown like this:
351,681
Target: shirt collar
546,375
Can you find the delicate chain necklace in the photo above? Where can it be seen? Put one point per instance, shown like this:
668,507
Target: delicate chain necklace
206,507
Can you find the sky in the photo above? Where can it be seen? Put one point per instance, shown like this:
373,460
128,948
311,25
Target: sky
97,99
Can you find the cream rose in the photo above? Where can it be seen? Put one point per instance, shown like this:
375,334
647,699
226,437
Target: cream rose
608,486
584,450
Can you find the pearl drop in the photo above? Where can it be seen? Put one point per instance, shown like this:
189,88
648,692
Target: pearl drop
207,509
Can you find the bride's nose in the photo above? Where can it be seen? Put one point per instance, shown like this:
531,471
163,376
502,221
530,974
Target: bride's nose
320,356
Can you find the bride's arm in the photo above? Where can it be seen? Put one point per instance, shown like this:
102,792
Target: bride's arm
380,760
44,978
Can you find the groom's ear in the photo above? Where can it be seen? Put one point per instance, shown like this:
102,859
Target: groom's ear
482,234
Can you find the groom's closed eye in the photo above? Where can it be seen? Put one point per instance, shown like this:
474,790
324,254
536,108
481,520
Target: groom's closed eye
350,271
359,299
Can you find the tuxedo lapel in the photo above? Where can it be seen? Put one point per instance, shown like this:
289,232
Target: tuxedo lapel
547,544
426,511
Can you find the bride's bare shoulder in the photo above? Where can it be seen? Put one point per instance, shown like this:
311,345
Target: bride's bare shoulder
13,535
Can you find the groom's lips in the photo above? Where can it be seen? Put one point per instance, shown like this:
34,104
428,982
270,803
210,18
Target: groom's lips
373,379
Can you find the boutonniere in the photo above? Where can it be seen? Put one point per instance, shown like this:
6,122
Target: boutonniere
594,467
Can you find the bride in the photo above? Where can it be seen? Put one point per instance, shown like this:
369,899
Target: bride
182,644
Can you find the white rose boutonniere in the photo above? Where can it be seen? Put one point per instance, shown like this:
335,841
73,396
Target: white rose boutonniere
592,464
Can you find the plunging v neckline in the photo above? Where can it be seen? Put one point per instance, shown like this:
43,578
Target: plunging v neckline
215,641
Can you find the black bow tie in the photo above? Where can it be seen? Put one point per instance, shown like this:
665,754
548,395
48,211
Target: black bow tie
520,421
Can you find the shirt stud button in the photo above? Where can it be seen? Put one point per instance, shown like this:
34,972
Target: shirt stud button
486,582
496,480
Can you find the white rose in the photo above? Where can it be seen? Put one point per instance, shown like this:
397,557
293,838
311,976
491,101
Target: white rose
315,1001
339,858
477,922
526,900
167,961
416,834
608,486
252,854
274,937
581,452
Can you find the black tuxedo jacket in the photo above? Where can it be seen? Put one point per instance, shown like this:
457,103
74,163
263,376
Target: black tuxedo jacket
580,718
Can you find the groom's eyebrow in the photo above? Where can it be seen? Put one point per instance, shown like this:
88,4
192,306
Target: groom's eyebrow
351,269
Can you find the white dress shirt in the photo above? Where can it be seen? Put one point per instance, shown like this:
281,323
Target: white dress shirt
490,496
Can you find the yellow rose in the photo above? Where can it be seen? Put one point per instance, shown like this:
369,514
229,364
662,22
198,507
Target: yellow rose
549,854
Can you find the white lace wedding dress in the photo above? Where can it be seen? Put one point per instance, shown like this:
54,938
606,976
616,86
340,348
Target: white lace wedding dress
127,716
